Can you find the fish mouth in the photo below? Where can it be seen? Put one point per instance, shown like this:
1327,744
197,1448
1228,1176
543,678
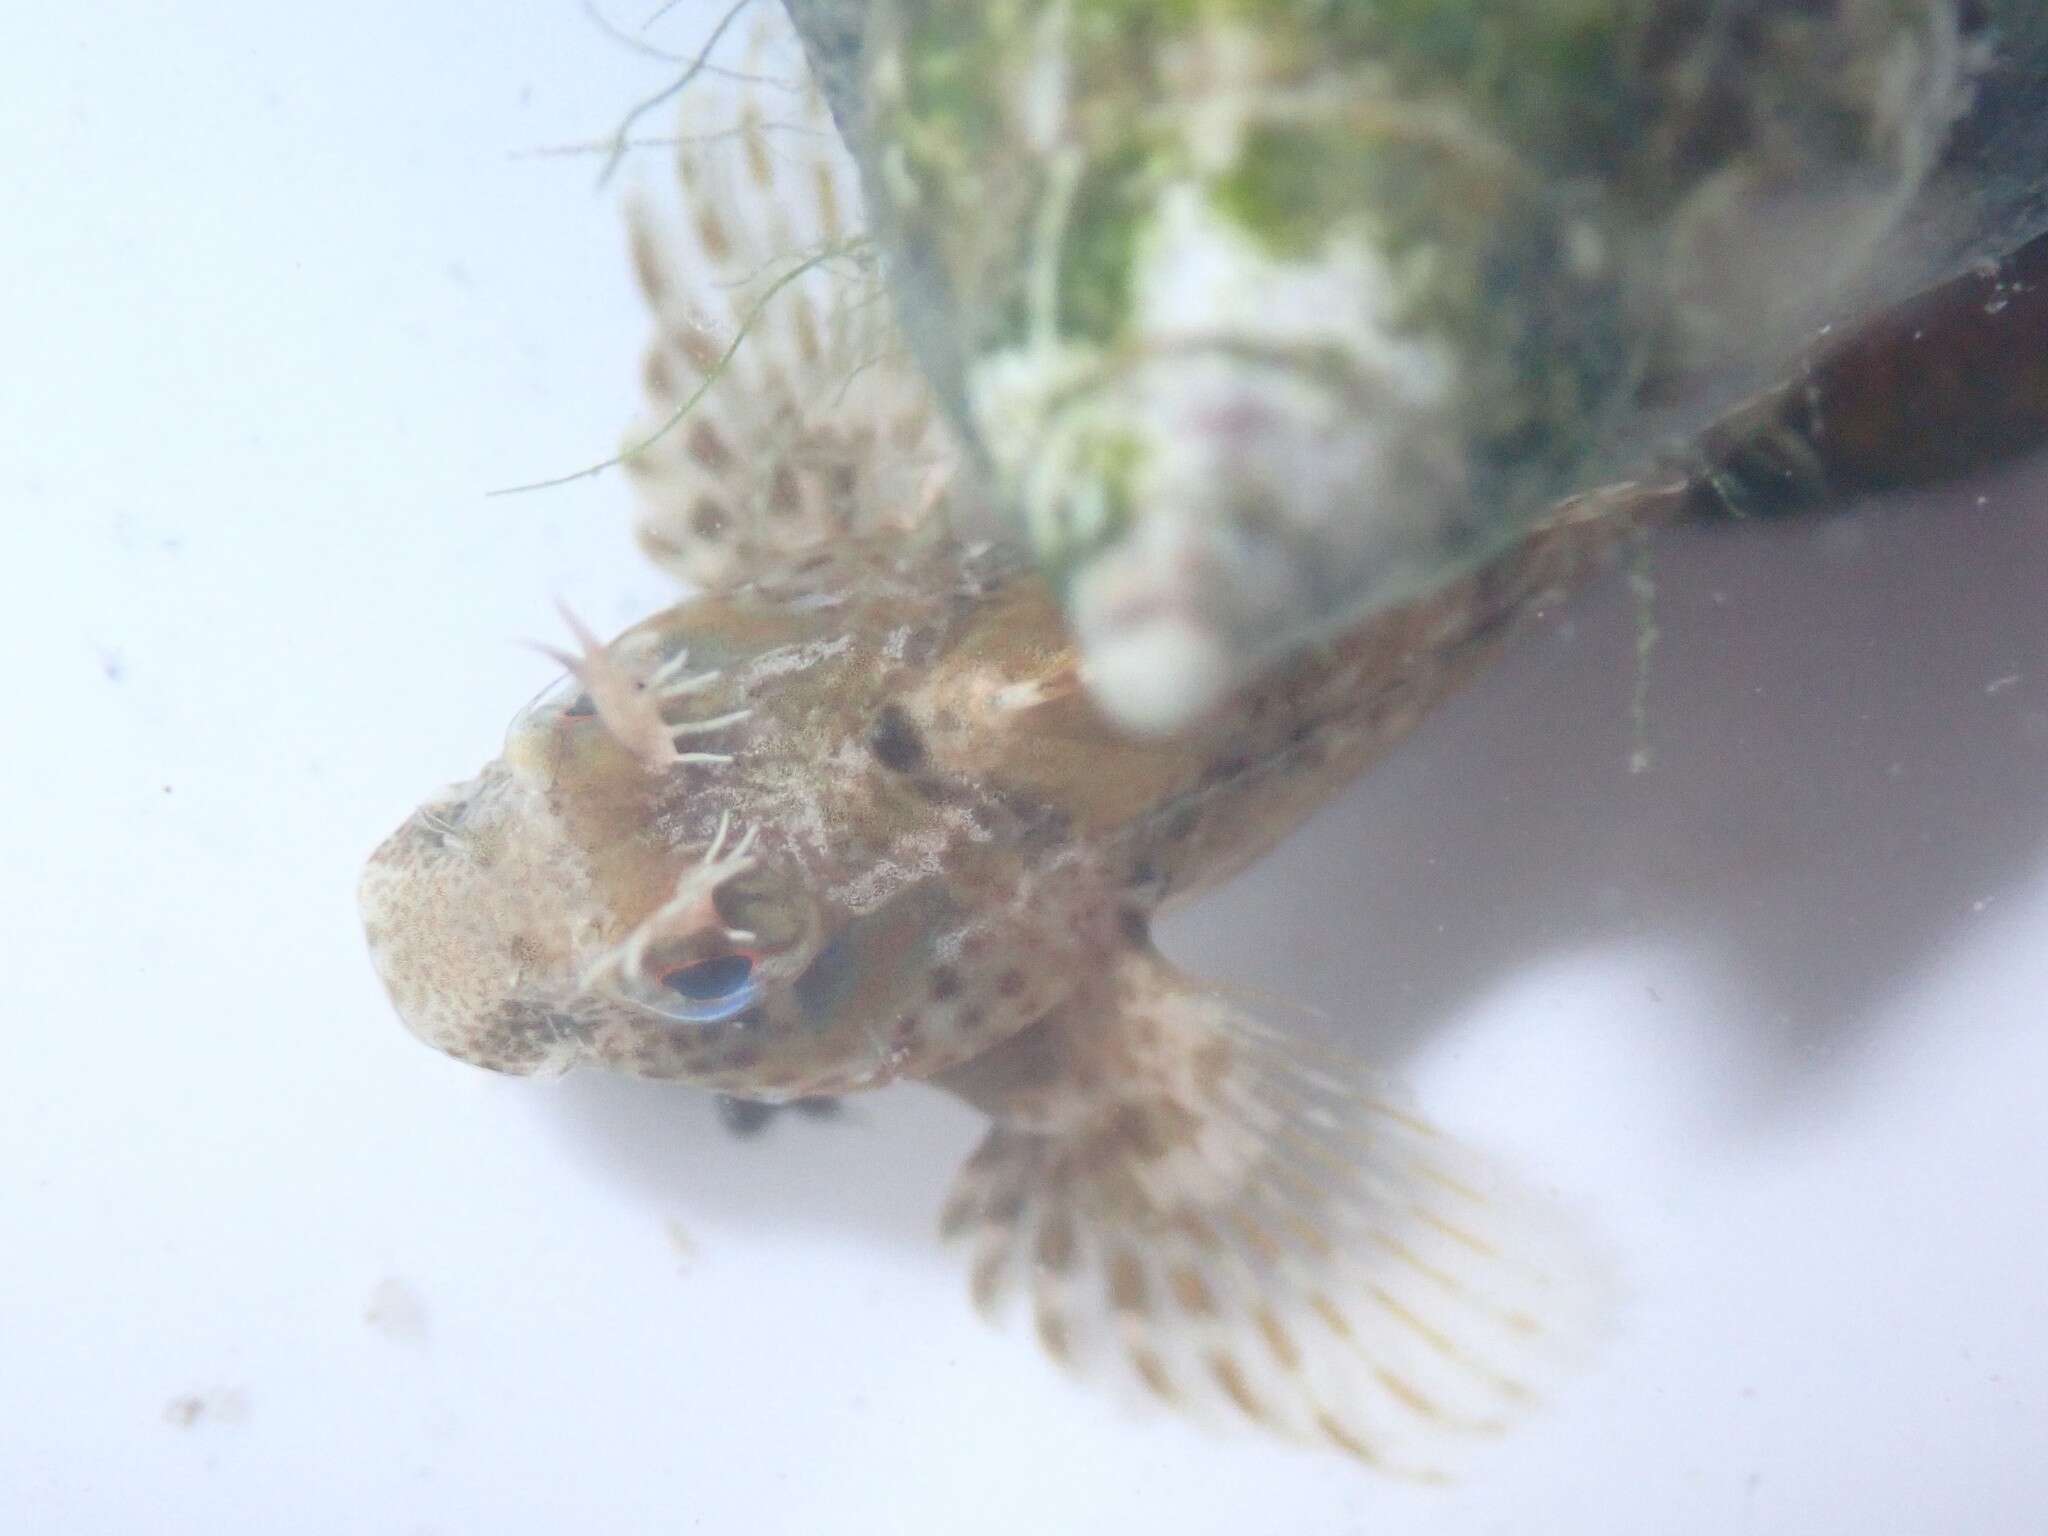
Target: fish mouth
464,907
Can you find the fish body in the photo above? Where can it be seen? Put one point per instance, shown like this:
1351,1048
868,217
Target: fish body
1260,315
866,809
856,822
852,815
869,790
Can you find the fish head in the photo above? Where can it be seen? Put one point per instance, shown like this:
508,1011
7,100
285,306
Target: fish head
757,871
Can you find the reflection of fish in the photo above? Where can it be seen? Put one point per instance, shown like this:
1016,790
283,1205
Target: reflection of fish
1266,316
849,817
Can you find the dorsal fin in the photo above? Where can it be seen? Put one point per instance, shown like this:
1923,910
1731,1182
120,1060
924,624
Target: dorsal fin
783,411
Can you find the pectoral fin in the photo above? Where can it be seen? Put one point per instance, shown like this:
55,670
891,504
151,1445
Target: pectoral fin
1247,1228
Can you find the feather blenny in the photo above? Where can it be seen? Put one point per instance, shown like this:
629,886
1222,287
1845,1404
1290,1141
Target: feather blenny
852,816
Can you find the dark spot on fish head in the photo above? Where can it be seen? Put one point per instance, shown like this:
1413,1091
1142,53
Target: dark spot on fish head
934,790
1040,825
896,741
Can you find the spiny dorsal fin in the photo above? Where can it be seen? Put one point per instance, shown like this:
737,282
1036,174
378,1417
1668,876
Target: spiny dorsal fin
783,410
1248,1230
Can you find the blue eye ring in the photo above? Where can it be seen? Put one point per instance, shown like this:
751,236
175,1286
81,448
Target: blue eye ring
711,990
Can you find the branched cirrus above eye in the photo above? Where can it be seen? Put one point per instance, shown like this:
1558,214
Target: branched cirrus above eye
709,991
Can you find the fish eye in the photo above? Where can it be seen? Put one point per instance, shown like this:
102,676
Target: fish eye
709,991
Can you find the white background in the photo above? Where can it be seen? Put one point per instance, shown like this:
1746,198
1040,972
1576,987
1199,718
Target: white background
277,305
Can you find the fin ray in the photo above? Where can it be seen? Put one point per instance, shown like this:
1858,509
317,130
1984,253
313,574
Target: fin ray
772,327
1258,1233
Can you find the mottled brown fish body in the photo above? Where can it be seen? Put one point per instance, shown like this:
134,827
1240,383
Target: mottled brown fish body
1952,382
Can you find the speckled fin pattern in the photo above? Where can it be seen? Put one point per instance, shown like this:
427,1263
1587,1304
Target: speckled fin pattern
1216,1217
782,410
